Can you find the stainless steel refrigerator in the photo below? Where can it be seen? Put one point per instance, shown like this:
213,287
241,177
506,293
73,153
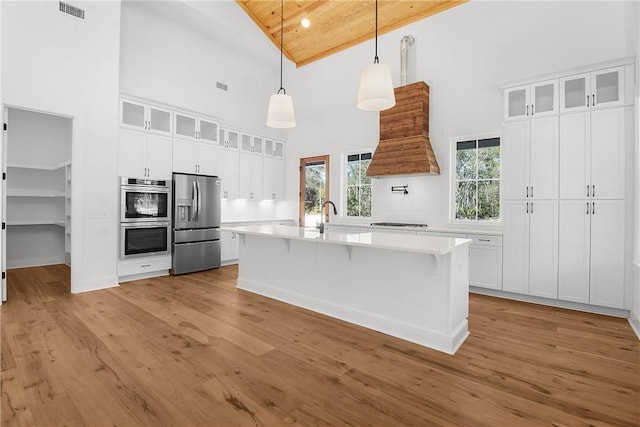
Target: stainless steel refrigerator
196,223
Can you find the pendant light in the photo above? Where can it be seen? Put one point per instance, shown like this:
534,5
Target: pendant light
280,113
376,86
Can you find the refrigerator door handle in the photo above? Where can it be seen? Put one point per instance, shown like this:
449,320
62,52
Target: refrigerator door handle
194,201
199,198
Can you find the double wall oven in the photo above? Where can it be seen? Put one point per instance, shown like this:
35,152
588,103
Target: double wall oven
145,217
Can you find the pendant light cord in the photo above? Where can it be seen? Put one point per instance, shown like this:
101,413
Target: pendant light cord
282,43
376,60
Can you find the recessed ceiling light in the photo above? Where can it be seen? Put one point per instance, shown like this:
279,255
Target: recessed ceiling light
305,22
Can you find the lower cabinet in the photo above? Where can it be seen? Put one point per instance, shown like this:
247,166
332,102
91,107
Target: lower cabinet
530,247
230,248
485,261
591,252
143,267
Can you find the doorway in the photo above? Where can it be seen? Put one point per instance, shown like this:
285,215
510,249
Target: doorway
36,196
314,188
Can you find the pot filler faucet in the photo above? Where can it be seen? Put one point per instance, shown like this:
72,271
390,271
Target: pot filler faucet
335,212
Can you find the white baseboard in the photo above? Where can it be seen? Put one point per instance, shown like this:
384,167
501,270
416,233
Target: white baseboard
141,276
616,312
96,284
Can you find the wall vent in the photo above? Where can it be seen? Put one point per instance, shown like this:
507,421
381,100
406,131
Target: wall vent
71,10
222,86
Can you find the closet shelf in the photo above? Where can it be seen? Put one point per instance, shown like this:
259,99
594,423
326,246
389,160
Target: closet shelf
42,167
28,192
60,223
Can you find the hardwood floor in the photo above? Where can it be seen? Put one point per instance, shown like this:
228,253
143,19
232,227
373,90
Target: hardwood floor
194,351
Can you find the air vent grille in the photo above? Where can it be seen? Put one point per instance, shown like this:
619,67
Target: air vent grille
222,86
71,10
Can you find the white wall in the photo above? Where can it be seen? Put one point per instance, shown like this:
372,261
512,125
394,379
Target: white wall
464,54
56,63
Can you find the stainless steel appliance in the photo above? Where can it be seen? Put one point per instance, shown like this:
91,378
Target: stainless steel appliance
138,239
196,223
144,200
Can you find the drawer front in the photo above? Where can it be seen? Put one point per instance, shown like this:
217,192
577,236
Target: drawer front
144,265
484,240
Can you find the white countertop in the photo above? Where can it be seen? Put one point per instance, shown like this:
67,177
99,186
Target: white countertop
397,242
463,229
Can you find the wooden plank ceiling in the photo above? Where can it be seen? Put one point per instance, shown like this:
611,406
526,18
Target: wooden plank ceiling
335,24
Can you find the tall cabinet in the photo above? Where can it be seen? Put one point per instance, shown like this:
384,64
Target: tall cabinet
563,186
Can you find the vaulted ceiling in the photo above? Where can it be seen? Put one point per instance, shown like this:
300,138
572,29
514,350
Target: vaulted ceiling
335,25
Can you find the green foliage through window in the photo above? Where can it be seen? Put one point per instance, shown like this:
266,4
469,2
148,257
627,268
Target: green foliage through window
358,185
478,179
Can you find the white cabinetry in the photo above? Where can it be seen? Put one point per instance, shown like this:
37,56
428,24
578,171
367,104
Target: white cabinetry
591,252
145,118
530,159
195,128
273,169
144,155
530,247
251,182
597,89
485,261
195,157
229,143
532,100
592,155
230,247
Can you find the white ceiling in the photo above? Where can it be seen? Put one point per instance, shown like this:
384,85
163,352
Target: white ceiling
220,20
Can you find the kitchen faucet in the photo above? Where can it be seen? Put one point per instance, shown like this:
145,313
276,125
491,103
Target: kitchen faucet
335,212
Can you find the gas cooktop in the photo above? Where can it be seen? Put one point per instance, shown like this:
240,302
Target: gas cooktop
398,224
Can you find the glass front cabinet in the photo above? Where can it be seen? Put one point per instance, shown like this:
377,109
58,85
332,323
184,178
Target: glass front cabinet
530,101
598,89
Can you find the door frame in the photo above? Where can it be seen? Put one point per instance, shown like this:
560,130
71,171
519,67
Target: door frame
303,162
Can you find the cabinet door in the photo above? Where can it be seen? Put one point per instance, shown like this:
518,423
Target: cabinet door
133,115
575,93
185,126
256,178
159,121
543,168
515,240
244,180
208,131
575,155
184,156
230,164
606,88
208,159
159,156
543,248
132,154
607,153
544,98
607,253
574,225
515,160
225,246
485,266
516,103
273,178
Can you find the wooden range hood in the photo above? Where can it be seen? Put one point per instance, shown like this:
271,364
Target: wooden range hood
404,147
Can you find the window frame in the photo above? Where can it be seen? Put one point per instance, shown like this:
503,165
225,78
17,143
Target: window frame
345,184
453,180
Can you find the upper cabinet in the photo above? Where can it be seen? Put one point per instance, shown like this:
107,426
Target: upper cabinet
532,100
144,117
273,170
597,89
196,128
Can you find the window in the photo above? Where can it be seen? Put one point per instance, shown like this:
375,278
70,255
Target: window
358,185
477,183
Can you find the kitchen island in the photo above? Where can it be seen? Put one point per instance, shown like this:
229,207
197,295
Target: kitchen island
411,287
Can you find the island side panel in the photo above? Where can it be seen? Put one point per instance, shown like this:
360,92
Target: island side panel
459,296
279,268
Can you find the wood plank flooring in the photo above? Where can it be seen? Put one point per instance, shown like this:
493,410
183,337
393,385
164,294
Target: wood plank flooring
194,351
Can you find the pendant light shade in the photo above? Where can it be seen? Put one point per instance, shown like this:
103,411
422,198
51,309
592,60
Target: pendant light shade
280,113
376,86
